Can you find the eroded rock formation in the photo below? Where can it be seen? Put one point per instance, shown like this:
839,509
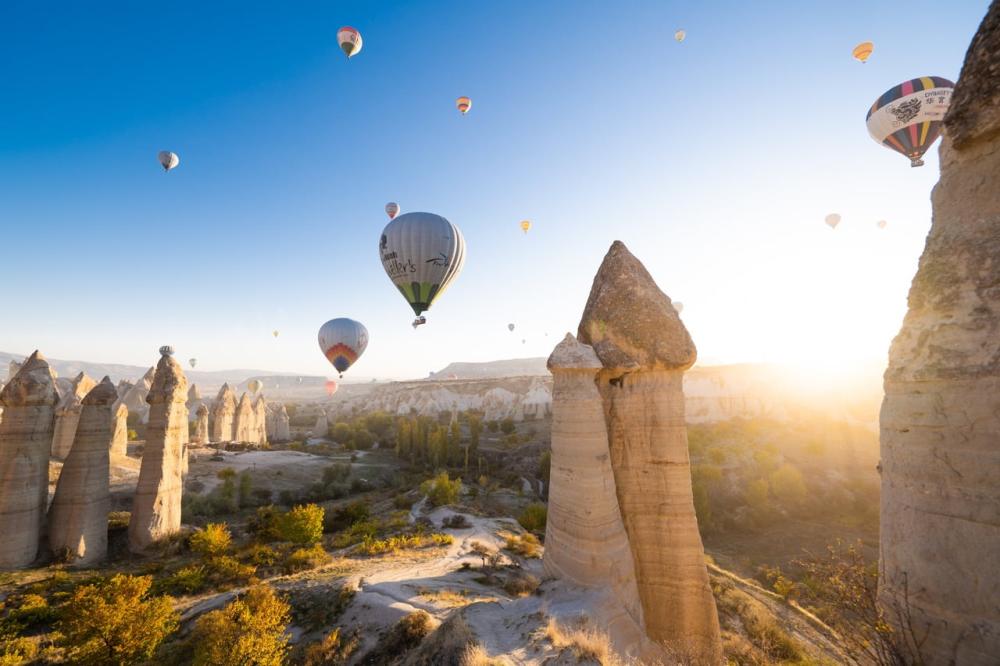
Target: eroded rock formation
222,415
119,437
643,350
68,415
135,397
156,509
29,400
78,517
278,428
201,425
260,421
940,420
244,429
322,427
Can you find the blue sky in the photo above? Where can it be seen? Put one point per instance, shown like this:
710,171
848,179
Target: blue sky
715,160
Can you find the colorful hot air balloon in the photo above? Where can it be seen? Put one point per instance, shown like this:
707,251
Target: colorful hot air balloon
349,40
255,385
680,35
422,254
833,220
510,327
907,118
193,362
392,209
343,341
274,333
464,104
881,224
863,51
525,225
331,387
168,160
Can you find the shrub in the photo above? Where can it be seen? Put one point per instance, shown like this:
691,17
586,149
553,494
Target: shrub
587,643
186,580
32,611
533,517
333,650
336,472
226,474
521,584
395,544
115,622
402,502
261,555
262,496
264,524
787,485
306,558
507,426
526,545
132,435
250,630
402,637
287,498
302,524
318,607
456,521
345,516
213,540
441,490
118,520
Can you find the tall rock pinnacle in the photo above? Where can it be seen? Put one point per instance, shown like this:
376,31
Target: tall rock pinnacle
156,510
222,415
940,419
644,350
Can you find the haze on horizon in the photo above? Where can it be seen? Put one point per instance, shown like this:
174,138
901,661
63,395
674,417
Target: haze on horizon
714,160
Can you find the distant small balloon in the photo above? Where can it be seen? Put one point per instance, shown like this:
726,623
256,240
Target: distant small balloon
523,341
882,224
274,333
392,209
510,327
331,387
832,220
193,362
680,35
525,225
168,160
255,385
349,40
863,51
464,104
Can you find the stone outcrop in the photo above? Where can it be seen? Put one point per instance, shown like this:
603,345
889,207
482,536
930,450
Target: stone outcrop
135,397
940,419
644,349
585,539
68,415
260,421
119,436
322,427
12,369
201,425
244,428
78,517
29,400
222,414
277,423
156,509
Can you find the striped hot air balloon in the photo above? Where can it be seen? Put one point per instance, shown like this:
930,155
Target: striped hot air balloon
350,41
392,210
168,160
863,51
255,385
422,254
907,117
343,341
463,104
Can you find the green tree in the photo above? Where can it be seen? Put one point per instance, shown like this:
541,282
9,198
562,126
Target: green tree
302,524
533,517
249,631
211,541
507,426
441,490
341,433
116,622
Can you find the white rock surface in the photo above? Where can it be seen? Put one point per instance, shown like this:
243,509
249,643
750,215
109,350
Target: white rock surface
68,415
222,415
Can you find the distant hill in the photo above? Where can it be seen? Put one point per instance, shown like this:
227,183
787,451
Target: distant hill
514,367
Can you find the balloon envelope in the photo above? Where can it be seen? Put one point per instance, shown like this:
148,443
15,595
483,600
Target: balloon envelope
422,253
863,51
464,104
907,117
882,224
680,35
343,341
255,385
274,333
392,209
525,225
331,387
349,40
833,220
168,160
193,362
510,327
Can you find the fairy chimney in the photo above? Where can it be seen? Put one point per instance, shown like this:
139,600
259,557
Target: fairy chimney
68,415
221,416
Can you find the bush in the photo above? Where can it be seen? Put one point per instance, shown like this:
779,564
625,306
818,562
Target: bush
302,524
402,502
344,517
395,544
334,650
456,521
337,472
31,611
306,558
318,607
261,555
250,630
507,426
213,540
402,637
521,584
441,490
187,580
115,621
787,485
526,545
533,517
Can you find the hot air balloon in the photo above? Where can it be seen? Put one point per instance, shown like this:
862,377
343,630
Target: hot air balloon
510,327
525,225
349,40
300,380
255,385
422,254
833,219
193,362
343,341
331,387
863,51
168,160
464,104
274,333
881,224
680,35
907,118
523,341
678,306
392,209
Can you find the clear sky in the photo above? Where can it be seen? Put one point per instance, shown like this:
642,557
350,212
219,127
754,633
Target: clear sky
714,160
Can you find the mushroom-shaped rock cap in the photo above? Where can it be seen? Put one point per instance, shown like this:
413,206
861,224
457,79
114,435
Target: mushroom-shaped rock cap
169,382
629,322
572,355
104,393
32,386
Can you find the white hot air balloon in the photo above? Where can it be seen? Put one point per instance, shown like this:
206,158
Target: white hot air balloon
343,341
832,220
255,385
392,210
350,41
680,35
422,253
168,160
